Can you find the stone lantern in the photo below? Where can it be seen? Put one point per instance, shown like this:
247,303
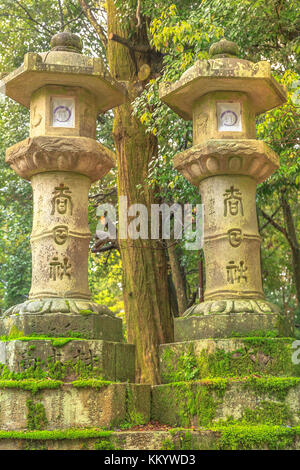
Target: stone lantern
65,92
222,96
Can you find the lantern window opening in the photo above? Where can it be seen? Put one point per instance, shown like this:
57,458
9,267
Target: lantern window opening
229,116
63,111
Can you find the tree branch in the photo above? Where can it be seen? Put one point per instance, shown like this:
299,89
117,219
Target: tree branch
138,14
30,17
102,246
128,44
277,226
272,217
62,23
97,27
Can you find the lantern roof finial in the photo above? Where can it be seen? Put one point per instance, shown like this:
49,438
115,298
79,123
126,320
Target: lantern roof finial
66,41
224,48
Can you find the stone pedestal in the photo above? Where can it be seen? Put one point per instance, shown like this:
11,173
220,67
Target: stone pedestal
63,362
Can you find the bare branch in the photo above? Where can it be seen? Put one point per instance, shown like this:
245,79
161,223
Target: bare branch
90,16
30,17
277,226
62,23
272,216
138,14
74,19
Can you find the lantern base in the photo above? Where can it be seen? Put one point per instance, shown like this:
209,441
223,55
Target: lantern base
228,306
58,305
61,317
196,327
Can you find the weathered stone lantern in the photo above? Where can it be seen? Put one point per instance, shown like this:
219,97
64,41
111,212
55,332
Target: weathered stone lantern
222,96
65,92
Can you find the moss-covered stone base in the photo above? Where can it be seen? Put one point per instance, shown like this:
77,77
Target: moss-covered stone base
253,400
221,438
69,357
233,357
88,324
47,404
224,325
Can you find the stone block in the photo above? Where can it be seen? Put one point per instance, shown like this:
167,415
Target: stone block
91,326
223,325
272,401
232,357
110,360
89,405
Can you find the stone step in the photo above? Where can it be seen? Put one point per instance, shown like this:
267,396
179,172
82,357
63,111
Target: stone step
253,400
48,404
225,325
233,357
227,438
108,360
90,325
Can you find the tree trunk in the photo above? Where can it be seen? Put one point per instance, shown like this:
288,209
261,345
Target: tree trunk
201,276
145,273
178,278
293,241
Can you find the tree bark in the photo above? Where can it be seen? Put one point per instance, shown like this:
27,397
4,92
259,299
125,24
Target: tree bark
145,273
293,241
178,278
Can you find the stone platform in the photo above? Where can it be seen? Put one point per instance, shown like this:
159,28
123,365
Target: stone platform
228,357
233,438
224,325
267,400
49,405
109,360
88,324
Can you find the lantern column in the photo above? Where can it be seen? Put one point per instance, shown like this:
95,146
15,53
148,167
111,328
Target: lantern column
223,96
65,92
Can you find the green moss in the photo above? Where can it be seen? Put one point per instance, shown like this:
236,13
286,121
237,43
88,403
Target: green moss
256,437
55,341
30,384
53,370
253,355
15,333
105,445
258,333
267,412
87,312
56,434
36,417
133,417
168,444
277,387
92,383
192,402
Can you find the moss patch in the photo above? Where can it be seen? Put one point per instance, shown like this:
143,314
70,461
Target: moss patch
275,387
91,383
56,434
31,385
53,370
252,355
256,437
189,403
36,417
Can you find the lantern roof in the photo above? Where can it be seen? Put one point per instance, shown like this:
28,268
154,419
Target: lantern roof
63,65
224,71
